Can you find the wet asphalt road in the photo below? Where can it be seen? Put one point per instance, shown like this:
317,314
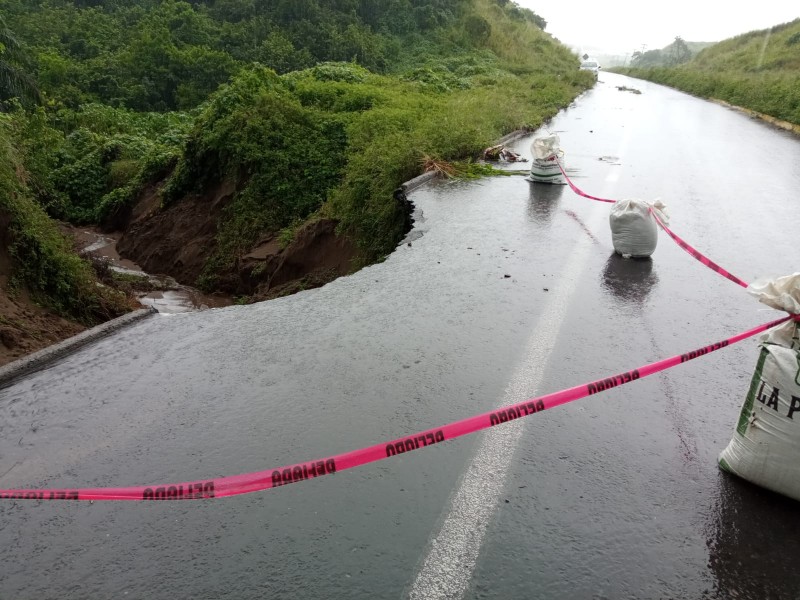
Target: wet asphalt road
615,496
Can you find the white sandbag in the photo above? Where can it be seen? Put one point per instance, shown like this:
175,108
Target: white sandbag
765,448
782,293
634,231
546,147
547,153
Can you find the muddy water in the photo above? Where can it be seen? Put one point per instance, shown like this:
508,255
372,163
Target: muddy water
504,287
170,297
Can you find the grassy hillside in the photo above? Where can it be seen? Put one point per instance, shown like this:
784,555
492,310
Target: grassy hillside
759,70
171,54
774,50
308,108
696,47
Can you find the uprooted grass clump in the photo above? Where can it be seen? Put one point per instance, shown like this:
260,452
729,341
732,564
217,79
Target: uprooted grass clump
429,164
462,169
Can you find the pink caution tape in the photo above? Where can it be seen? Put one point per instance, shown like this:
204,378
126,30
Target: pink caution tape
264,480
695,253
579,191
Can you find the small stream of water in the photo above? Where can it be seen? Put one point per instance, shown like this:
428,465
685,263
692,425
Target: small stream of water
170,296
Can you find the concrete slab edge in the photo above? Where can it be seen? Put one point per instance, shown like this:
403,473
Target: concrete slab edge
413,184
37,360
785,125
514,136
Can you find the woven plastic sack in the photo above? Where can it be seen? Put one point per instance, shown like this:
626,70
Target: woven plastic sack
544,147
634,231
765,448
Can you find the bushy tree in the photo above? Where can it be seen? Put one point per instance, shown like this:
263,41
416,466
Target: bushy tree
677,52
478,29
15,82
649,58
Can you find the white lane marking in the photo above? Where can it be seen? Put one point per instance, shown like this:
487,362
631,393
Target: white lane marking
447,569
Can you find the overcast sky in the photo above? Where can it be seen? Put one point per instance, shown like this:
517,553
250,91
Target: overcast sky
620,26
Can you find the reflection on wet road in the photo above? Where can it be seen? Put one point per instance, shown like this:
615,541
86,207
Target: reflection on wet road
629,279
506,289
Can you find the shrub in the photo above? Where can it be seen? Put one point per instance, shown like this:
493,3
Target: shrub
43,260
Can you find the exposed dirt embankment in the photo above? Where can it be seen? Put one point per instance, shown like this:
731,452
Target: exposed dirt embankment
24,326
316,256
177,240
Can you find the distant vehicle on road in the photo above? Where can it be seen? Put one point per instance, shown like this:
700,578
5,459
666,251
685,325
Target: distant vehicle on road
590,65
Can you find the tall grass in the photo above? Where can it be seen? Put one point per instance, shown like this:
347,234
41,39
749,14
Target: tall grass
387,147
759,70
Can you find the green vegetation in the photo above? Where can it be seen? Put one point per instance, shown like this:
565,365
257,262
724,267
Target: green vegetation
45,263
15,82
759,70
306,108
171,54
676,53
282,156
85,165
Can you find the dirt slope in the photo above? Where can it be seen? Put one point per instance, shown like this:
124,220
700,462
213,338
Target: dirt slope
176,241
25,327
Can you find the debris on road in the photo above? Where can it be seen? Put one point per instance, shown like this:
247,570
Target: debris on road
500,152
